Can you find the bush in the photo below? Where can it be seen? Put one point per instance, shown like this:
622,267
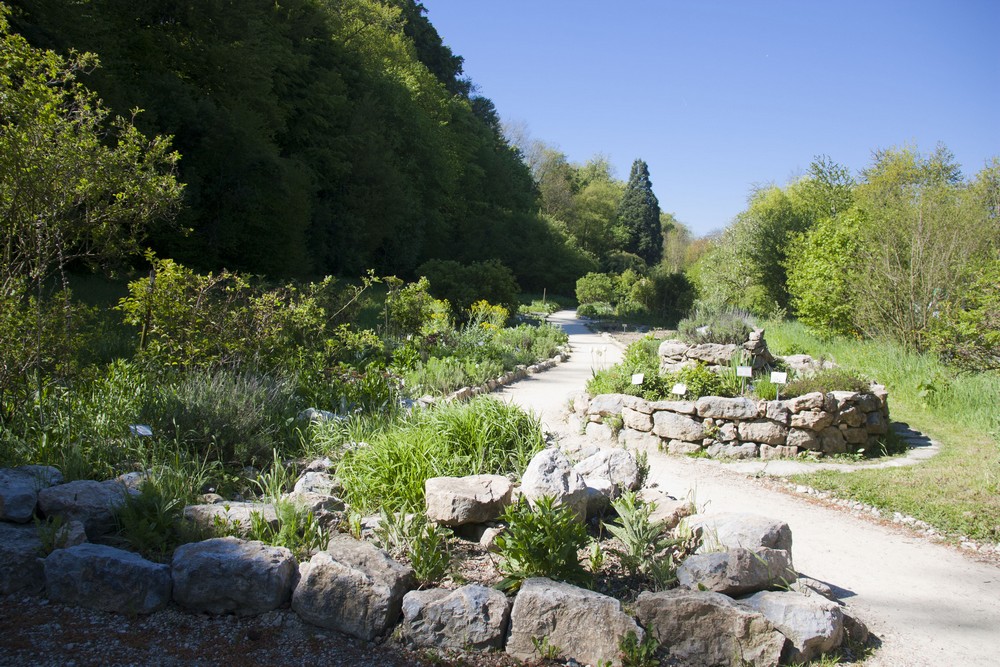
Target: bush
827,380
224,415
541,542
715,325
595,310
462,285
595,288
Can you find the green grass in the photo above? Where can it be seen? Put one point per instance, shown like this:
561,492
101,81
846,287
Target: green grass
483,436
957,491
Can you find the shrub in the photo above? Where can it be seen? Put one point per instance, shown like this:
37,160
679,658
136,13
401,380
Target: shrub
413,538
225,415
715,325
595,288
827,380
595,310
461,285
543,541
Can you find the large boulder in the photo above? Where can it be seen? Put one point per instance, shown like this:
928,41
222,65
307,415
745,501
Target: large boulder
456,501
473,617
673,426
549,473
617,466
94,504
230,575
20,565
709,629
763,431
583,625
812,624
19,489
352,587
713,354
737,571
728,530
102,577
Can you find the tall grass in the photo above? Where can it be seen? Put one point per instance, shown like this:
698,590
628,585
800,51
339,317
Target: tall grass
483,436
957,491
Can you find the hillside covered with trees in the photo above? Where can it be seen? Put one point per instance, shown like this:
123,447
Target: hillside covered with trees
315,137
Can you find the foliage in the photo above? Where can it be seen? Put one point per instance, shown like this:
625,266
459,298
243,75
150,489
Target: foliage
714,324
541,541
635,653
967,331
411,310
462,285
825,381
423,543
595,288
647,550
638,217
224,415
483,436
297,530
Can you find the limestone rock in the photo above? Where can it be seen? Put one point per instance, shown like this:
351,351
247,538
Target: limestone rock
678,427
599,432
778,411
672,349
814,420
472,617
811,401
683,448
763,431
318,482
584,625
729,530
813,625
237,516
640,440
778,452
102,577
229,575
680,407
617,466
607,405
18,495
737,571
639,421
746,450
875,423
716,407
709,629
549,473
20,566
831,441
713,354
803,439
352,587
455,501
667,510
92,503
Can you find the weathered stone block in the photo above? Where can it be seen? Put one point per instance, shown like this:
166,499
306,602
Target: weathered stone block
726,408
471,618
102,577
639,421
763,431
94,504
737,571
812,624
677,427
549,473
729,530
454,501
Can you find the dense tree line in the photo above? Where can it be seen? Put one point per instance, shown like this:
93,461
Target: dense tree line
316,136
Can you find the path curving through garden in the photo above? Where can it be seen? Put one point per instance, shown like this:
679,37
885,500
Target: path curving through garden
929,604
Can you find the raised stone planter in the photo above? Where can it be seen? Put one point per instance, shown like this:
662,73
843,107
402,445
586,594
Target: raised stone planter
834,423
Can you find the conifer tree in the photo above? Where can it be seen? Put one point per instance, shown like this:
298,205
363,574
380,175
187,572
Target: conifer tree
639,216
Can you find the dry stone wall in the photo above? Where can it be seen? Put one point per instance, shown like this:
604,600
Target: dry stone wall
837,422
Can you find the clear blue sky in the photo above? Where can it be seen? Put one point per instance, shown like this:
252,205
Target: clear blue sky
720,95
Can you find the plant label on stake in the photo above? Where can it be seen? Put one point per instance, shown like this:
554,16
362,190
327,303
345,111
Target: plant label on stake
680,389
743,372
638,378
778,378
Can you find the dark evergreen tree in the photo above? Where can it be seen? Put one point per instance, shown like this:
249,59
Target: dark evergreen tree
639,217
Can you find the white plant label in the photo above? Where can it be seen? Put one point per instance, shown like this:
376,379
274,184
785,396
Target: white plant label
140,430
779,378
744,371
638,378
680,389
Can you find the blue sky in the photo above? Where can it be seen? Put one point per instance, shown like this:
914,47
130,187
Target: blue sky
718,96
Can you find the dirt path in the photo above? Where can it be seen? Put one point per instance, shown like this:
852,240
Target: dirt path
929,604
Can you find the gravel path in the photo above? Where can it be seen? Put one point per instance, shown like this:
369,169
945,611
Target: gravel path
929,604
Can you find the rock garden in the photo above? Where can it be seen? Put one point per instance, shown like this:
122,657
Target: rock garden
575,560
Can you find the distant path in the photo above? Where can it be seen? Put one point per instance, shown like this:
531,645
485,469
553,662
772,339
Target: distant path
929,604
